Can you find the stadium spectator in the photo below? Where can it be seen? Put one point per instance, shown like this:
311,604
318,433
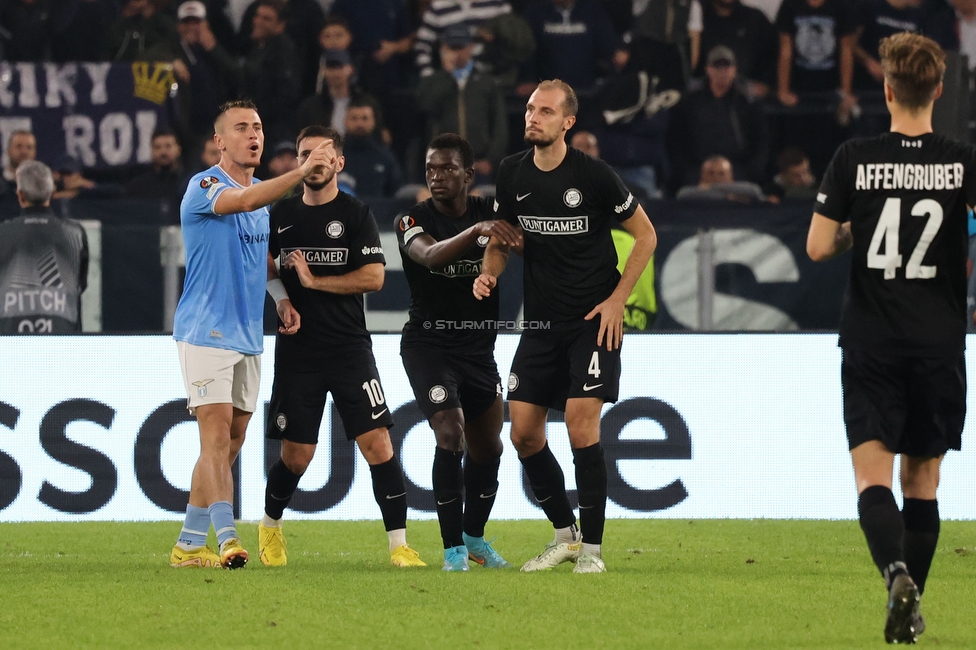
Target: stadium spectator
85,31
575,42
39,251
459,99
21,147
208,75
795,179
963,26
206,156
164,178
302,22
336,89
284,158
141,33
440,15
271,74
70,182
717,183
748,33
586,142
719,120
26,29
507,42
335,34
665,28
381,43
816,52
875,20
369,163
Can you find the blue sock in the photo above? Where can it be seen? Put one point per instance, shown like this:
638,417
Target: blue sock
222,516
195,527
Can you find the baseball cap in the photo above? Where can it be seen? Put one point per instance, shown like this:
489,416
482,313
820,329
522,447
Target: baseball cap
284,146
192,9
336,58
457,35
720,55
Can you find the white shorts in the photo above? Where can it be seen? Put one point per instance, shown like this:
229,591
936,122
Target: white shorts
217,376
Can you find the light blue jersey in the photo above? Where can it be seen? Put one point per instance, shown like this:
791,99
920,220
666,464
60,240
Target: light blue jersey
222,305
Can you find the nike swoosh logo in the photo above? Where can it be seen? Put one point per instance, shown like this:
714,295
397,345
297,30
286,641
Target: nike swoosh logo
281,230
586,507
376,415
396,496
519,197
588,388
444,503
546,499
487,496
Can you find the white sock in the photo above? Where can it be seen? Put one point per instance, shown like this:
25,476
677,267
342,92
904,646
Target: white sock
397,537
268,522
567,535
592,549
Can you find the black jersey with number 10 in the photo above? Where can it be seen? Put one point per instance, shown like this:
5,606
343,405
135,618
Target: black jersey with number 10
906,198
565,215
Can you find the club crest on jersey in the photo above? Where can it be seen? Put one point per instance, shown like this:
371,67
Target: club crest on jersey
437,394
202,386
572,197
334,229
513,382
483,240
406,223
207,181
281,421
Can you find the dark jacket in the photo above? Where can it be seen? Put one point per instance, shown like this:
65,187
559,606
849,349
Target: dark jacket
215,77
373,166
748,33
271,80
703,125
485,123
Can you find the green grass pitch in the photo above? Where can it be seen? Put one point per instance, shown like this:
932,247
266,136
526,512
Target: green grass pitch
670,584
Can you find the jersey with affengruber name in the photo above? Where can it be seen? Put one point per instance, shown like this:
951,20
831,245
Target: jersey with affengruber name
443,299
565,215
906,199
337,238
222,305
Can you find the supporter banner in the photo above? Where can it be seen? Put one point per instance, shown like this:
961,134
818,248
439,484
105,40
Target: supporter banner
103,114
740,426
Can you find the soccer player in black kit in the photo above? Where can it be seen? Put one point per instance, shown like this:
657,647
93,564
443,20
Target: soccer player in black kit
330,255
565,202
448,345
899,201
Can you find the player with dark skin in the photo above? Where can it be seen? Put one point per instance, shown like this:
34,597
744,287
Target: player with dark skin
448,181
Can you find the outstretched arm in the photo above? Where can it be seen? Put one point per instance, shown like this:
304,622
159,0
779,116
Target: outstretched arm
435,255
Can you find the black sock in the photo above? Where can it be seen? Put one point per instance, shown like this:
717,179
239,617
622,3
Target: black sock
480,489
282,484
447,491
884,529
921,517
549,487
591,485
390,493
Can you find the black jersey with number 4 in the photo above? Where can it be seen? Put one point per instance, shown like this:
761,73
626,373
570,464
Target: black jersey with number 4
906,198
336,238
443,299
566,215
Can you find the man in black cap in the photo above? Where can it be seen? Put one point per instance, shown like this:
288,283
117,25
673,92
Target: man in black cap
720,120
335,89
458,98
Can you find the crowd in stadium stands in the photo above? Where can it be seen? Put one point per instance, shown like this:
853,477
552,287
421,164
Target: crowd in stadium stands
739,100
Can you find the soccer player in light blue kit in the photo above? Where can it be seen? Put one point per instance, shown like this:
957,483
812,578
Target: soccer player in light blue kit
219,319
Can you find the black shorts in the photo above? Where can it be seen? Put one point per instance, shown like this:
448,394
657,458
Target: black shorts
553,366
299,394
914,405
445,380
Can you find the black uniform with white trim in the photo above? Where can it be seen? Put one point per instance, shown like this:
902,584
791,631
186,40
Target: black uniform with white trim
332,351
570,267
448,343
904,322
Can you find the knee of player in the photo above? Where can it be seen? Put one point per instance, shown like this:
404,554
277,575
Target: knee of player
376,446
527,443
448,429
297,457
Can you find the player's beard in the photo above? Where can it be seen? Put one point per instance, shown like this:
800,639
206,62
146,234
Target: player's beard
538,139
315,187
